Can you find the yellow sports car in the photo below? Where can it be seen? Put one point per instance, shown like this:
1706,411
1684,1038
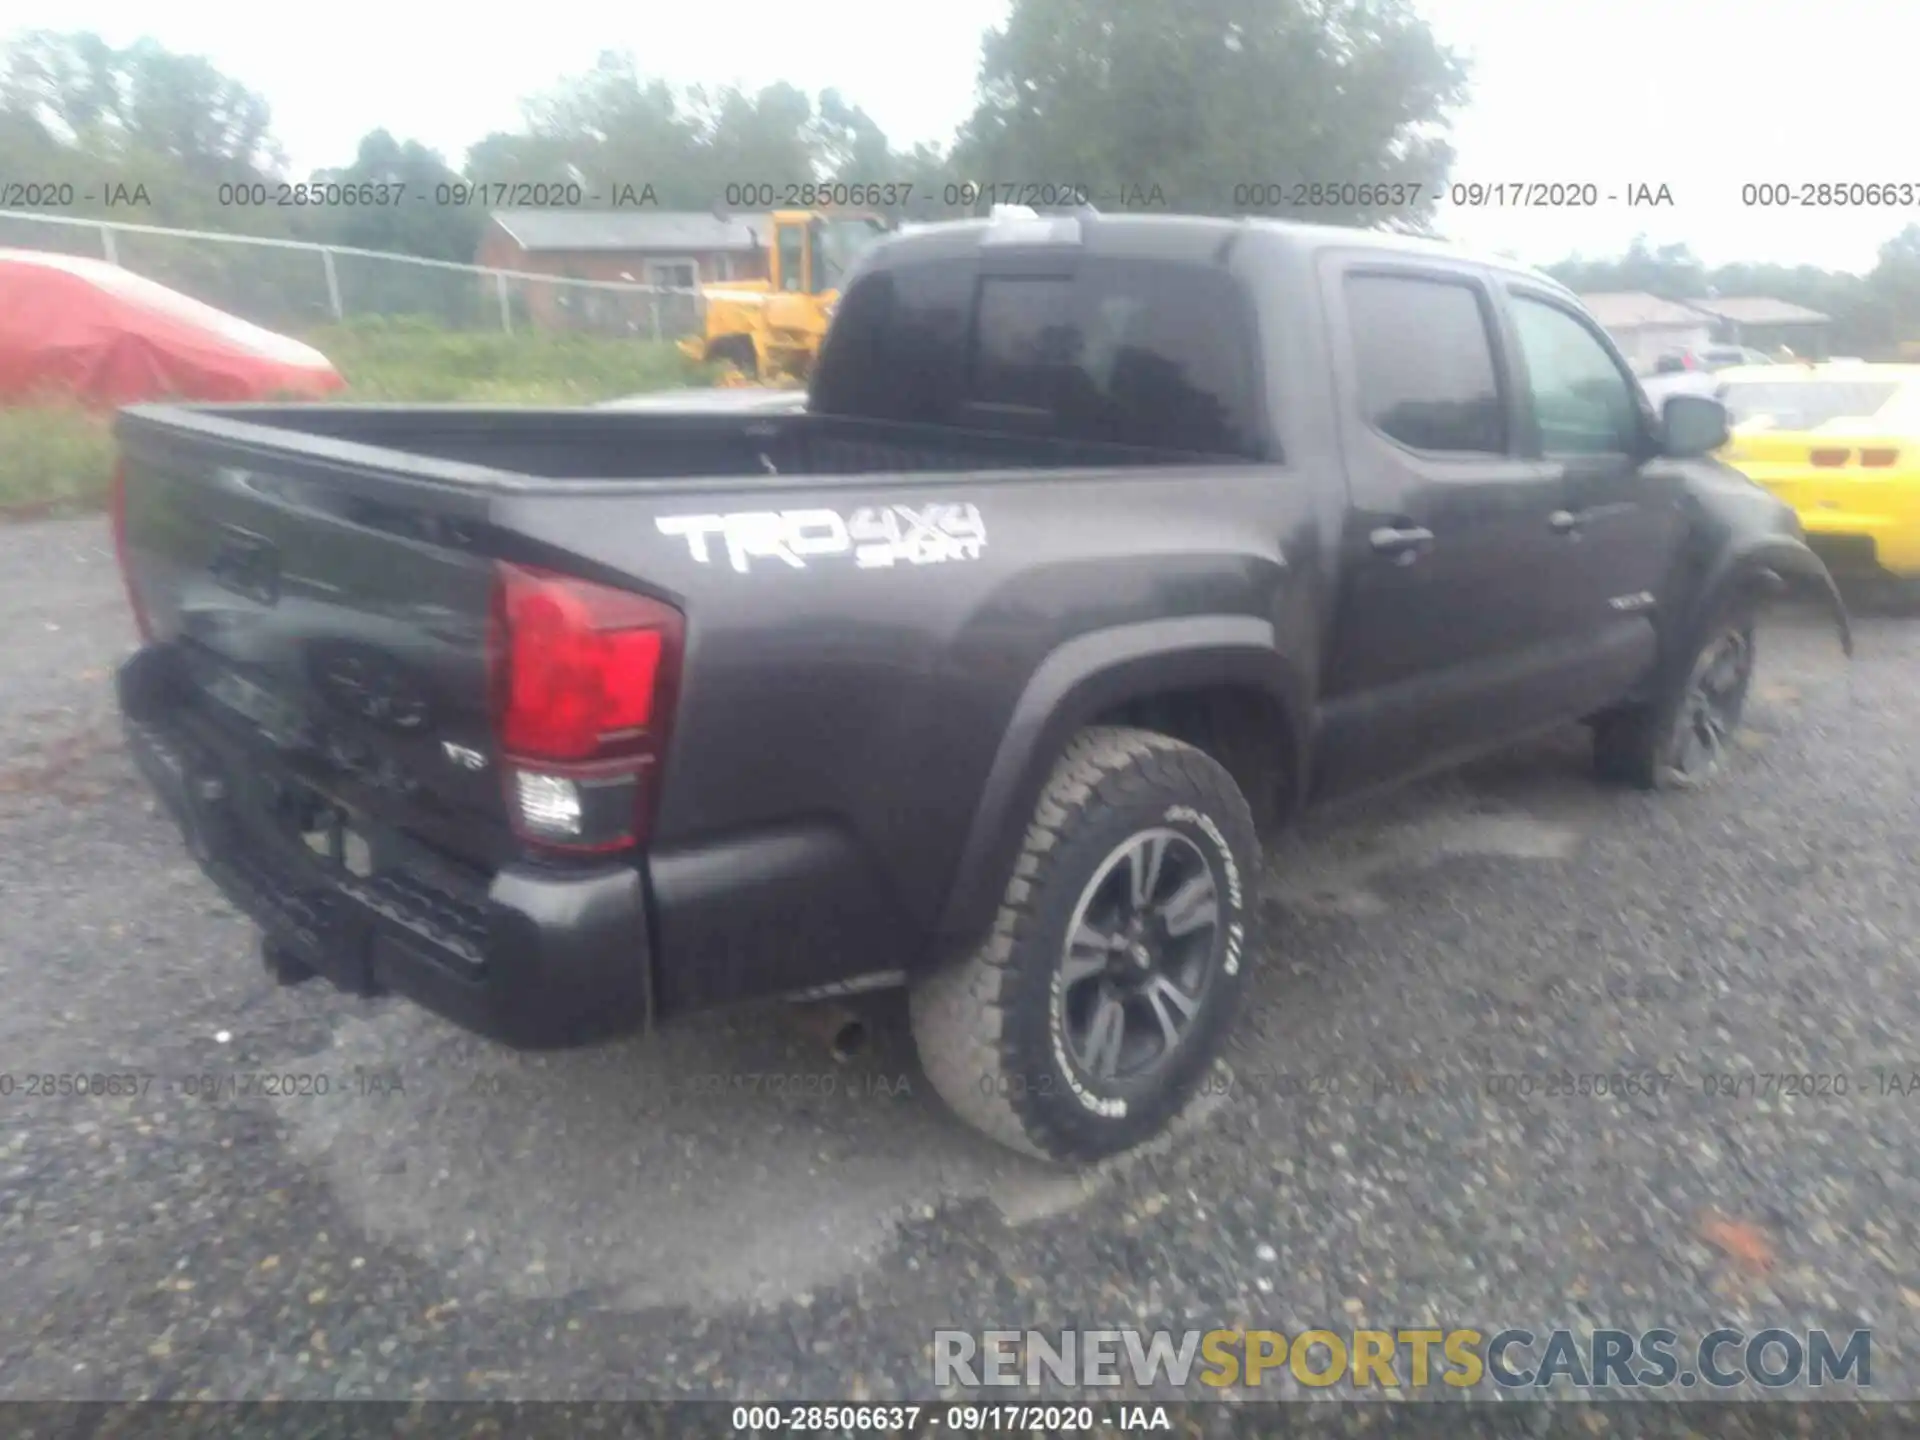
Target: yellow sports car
1840,442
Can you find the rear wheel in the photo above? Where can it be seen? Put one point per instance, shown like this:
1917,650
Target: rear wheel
1680,741
1088,1019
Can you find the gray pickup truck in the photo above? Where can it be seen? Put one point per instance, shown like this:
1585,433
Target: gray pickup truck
1102,545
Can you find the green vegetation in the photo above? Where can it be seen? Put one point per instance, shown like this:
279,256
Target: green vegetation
58,457
1154,104
53,458
411,360
1159,98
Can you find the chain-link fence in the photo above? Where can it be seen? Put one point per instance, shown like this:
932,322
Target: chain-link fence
293,285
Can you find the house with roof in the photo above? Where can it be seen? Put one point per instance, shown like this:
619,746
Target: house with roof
1766,324
1646,327
681,249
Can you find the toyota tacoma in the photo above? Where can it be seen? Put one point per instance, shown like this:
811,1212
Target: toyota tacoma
1102,546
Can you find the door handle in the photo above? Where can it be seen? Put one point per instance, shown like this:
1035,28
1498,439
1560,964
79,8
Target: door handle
1404,545
1567,522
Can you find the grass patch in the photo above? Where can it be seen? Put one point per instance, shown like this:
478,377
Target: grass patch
53,458
56,458
401,359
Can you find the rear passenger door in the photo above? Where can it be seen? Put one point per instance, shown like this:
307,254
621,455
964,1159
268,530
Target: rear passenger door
1443,640
1618,530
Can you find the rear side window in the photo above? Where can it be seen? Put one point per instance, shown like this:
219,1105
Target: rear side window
1425,362
1128,353
1124,352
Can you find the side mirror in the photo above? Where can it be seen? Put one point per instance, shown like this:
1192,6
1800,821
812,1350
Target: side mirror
1692,425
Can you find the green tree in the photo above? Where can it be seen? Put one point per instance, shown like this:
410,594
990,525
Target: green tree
416,224
142,103
146,136
608,127
1886,314
419,223
1672,272
845,142
183,109
761,139
68,87
116,123
1198,97
615,127
848,146
926,170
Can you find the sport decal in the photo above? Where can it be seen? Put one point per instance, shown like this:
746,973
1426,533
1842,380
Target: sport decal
877,537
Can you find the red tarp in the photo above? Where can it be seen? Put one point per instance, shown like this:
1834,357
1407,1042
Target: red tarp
91,331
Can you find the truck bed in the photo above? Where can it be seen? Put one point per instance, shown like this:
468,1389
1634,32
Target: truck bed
321,592
513,448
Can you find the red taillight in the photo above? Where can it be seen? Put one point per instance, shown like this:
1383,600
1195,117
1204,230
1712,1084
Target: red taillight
583,687
581,662
1828,459
117,502
1879,459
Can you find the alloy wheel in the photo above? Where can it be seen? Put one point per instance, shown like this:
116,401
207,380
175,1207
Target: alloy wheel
1710,709
1139,956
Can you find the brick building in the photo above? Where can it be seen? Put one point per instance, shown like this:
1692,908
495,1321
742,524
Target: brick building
679,248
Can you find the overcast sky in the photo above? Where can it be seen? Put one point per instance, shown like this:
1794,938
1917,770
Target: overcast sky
1700,95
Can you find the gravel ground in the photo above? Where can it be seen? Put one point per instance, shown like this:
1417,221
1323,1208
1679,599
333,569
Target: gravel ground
452,1220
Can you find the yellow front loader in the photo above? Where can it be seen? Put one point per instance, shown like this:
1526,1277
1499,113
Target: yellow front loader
767,332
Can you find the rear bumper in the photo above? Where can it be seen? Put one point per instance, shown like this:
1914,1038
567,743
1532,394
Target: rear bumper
537,958
531,958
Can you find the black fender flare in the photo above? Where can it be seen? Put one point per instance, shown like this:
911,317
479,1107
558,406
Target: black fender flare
1775,565
1078,681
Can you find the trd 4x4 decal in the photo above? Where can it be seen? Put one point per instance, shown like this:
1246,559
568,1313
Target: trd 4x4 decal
876,536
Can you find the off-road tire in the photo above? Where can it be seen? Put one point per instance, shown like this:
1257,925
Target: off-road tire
1635,745
989,1030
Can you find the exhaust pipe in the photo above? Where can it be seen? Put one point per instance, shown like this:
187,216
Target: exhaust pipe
834,1026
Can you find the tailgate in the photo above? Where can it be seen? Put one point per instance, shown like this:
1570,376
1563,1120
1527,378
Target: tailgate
332,620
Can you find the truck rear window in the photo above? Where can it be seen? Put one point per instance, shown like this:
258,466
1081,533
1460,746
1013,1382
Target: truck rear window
1125,352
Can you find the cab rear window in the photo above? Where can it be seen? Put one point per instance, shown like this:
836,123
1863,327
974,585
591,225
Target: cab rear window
1126,352
1804,404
